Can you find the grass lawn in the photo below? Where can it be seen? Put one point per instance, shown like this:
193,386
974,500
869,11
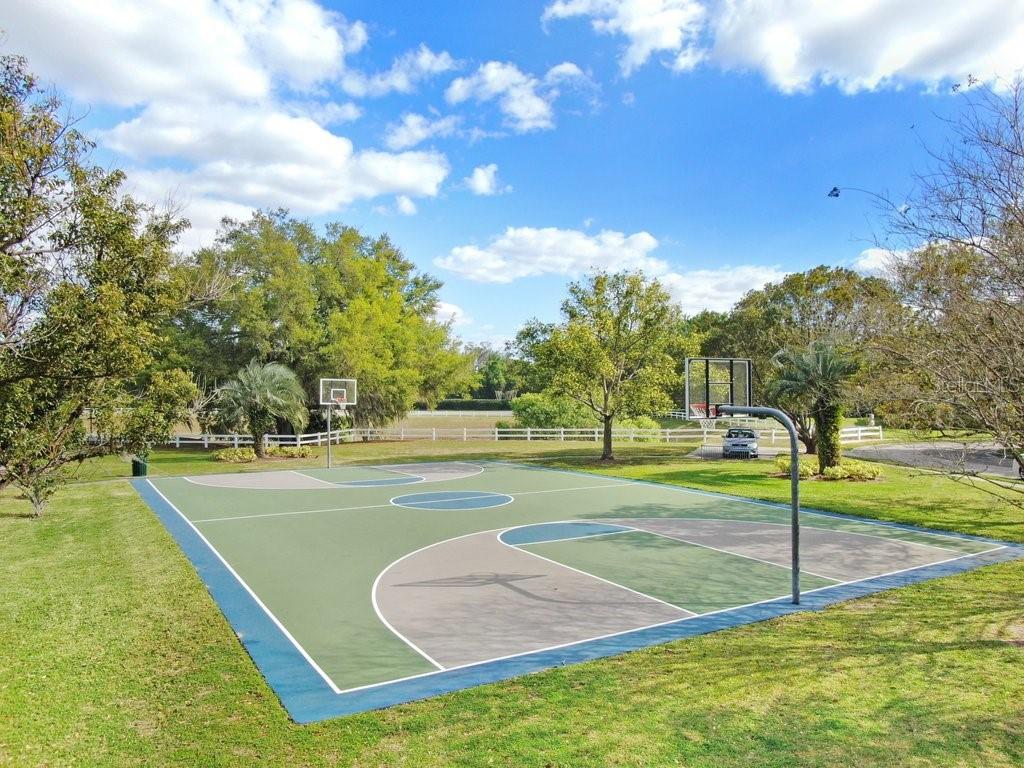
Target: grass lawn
112,653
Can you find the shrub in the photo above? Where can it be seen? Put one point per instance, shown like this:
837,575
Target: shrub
639,422
808,466
473,405
541,411
288,452
504,425
235,455
849,469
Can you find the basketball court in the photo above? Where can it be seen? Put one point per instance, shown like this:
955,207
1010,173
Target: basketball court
360,587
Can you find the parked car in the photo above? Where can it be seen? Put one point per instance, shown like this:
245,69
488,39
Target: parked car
740,442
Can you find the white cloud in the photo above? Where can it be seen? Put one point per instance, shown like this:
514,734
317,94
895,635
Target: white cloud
405,206
797,44
528,252
193,50
232,107
717,289
405,73
525,100
650,27
451,313
325,113
874,262
414,128
484,181
269,158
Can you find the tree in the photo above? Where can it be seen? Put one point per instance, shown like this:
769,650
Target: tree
542,411
523,372
493,377
325,303
87,279
816,376
954,359
259,394
611,351
832,305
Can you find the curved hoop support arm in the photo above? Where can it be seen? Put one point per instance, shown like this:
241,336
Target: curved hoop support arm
794,477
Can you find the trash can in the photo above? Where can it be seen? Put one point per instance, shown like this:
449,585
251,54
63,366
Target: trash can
138,467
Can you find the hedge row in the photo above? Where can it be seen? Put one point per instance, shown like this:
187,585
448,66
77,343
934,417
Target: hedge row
474,405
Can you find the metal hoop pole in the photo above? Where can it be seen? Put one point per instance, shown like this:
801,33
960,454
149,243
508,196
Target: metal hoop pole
328,437
794,479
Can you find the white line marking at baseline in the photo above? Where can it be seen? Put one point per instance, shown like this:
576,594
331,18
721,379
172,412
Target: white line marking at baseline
252,593
657,624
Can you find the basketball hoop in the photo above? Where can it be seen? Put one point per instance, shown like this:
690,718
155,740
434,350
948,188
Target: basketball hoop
340,394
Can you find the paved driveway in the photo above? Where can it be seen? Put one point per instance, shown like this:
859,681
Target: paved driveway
945,455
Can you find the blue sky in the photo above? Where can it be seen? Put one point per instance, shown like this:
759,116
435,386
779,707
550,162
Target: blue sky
510,147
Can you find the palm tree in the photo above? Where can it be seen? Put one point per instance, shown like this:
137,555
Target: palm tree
259,394
816,377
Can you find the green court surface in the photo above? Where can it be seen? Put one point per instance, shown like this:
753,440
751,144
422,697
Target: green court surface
359,587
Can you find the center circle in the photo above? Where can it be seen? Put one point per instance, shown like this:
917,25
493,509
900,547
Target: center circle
452,500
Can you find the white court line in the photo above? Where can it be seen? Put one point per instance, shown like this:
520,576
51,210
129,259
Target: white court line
388,567
670,537
285,514
473,496
310,477
593,576
660,623
252,593
498,532
813,528
625,529
337,690
390,468
380,506
889,525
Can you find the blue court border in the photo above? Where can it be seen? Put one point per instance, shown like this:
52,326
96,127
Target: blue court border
308,698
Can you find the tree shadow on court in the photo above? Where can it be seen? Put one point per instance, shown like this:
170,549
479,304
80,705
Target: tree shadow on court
513,582
725,509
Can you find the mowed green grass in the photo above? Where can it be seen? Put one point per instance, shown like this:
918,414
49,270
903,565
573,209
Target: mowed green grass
112,653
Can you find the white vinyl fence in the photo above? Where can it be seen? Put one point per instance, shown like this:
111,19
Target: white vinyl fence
465,434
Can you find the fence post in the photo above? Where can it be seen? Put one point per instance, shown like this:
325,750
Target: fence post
464,437
206,441
434,434
528,438
561,434
177,441
495,434
235,441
